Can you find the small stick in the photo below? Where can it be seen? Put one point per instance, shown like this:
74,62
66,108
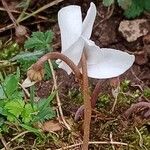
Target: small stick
57,96
24,10
16,137
25,90
32,14
9,13
87,104
94,142
18,12
111,139
4,142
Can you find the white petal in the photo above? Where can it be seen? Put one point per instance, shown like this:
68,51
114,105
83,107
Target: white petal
70,23
91,50
108,62
89,21
27,83
74,53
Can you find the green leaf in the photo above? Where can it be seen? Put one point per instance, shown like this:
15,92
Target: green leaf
147,5
124,4
11,85
135,9
26,59
39,40
15,107
28,55
2,93
44,103
27,113
34,130
46,114
108,2
45,110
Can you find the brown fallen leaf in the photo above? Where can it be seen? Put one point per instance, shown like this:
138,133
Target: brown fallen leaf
51,126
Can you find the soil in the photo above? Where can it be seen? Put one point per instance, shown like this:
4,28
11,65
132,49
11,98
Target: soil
104,123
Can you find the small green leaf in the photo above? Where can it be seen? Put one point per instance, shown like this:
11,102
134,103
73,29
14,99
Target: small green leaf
147,5
39,41
27,113
108,2
15,107
28,55
34,130
2,93
11,85
135,9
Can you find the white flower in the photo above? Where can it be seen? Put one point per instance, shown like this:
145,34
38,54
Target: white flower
75,38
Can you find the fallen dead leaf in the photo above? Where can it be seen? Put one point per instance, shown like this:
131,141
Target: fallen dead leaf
51,126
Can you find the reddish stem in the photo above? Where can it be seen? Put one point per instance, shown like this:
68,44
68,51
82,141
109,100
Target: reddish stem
93,100
55,55
87,104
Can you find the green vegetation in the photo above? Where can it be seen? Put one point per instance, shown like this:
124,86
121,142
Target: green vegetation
132,8
17,109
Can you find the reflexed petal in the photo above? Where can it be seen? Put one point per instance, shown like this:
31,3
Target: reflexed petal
70,23
74,53
89,21
109,63
27,83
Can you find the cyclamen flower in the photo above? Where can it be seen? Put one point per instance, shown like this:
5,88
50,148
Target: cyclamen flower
102,63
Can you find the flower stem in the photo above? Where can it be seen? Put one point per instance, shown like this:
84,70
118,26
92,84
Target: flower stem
93,100
87,104
55,55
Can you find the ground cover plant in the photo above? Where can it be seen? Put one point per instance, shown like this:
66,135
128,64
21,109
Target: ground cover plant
90,97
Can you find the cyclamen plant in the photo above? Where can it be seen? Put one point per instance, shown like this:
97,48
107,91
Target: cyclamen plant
83,57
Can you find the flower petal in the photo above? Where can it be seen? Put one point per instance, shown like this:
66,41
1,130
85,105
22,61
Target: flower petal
70,23
105,63
27,83
89,21
74,53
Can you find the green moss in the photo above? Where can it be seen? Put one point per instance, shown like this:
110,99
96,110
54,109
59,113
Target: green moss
147,93
103,101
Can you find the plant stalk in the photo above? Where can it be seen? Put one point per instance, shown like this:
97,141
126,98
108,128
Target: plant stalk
87,104
56,55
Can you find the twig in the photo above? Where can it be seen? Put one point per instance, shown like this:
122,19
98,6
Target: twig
116,93
94,142
24,10
16,137
111,139
57,96
4,142
25,90
9,13
32,14
42,8
87,104
18,12
140,137
109,14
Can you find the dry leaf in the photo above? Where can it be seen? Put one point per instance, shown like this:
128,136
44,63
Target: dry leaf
51,126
